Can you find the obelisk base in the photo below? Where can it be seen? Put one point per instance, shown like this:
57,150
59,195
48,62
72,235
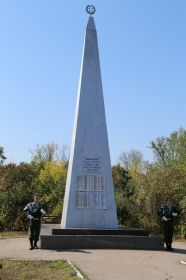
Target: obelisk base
52,237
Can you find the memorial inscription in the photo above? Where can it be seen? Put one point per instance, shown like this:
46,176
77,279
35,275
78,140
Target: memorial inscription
90,189
92,164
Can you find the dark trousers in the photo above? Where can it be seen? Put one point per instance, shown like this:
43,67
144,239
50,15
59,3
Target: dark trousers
35,227
168,232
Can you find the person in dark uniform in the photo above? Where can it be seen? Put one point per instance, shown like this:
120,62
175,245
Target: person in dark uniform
34,213
167,214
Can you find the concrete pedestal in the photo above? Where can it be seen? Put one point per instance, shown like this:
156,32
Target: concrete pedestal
52,237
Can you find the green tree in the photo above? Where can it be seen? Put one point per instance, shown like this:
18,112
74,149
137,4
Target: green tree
125,196
51,163
171,149
154,187
49,152
2,157
151,183
166,177
16,190
182,224
51,182
132,162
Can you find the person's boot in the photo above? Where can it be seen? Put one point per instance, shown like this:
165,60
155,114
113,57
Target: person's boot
31,244
170,247
35,245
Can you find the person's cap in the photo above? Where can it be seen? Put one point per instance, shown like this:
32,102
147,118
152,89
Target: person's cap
36,194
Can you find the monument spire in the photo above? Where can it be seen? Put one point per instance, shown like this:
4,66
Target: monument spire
89,196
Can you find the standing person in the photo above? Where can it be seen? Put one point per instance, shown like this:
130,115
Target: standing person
34,213
167,213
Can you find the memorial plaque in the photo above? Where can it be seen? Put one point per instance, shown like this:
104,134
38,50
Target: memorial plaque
79,183
92,164
100,200
99,183
92,185
83,200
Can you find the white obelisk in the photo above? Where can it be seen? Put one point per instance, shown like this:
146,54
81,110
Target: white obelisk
89,196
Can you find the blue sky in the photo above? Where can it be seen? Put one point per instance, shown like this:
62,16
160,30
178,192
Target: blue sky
142,46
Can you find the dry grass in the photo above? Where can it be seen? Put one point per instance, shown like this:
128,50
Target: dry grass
42,270
180,240
13,234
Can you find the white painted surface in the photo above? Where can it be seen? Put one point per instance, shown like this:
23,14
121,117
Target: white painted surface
89,196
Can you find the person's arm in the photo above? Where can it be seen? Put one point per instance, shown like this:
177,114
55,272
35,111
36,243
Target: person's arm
27,207
43,211
162,215
28,210
174,212
30,216
160,212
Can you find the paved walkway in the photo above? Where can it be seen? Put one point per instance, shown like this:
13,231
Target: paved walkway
108,264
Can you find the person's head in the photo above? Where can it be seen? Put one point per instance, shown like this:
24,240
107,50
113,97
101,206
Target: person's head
36,197
168,201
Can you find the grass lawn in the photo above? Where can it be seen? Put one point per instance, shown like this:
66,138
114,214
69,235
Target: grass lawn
42,270
13,234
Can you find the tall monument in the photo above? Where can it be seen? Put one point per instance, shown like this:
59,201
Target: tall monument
89,219
89,196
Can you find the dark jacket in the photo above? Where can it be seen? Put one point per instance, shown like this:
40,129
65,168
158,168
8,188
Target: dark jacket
167,211
34,210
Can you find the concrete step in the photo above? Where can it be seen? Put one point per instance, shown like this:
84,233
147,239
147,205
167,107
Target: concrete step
97,241
84,231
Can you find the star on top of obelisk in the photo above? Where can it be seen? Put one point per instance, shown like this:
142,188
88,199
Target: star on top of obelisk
90,9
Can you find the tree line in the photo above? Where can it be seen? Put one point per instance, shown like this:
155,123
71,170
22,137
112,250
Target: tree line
140,187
